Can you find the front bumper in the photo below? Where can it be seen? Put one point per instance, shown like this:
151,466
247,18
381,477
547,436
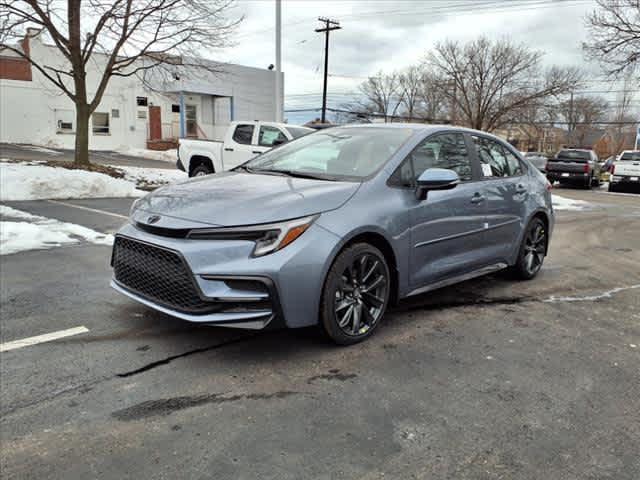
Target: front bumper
225,275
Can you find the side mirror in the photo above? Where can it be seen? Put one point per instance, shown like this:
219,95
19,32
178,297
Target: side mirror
436,179
278,141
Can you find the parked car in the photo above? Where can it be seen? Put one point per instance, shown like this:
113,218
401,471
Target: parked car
243,141
331,228
575,166
539,160
625,173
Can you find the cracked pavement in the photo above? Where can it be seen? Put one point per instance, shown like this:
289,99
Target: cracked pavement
487,379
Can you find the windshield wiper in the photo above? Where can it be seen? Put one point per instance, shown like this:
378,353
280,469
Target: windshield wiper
293,173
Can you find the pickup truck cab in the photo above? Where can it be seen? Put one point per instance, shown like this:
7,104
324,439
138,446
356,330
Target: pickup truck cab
242,142
573,165
625,173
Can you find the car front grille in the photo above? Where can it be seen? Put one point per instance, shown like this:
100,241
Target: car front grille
159,275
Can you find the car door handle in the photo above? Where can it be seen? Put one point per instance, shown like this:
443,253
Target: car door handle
228,149
256,151
477,198
521,189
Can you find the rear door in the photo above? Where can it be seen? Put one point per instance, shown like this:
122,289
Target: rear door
446,227
506,189
238,147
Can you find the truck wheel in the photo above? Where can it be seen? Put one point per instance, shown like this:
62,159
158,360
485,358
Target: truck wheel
200,171
587,185
595,181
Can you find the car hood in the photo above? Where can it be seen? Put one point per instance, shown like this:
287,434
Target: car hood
235,198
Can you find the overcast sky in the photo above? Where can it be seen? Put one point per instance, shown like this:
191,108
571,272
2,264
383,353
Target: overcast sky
387,35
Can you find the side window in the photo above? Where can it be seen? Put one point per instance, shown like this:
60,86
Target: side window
243,134
493,158
270,135
441,151
515,167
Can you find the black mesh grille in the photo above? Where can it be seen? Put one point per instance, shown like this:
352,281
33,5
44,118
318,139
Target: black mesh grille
157,274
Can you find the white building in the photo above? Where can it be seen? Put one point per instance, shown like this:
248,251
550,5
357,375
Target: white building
33,110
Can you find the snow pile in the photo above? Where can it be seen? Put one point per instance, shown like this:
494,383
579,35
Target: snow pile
22,181
152,176
163,156
18,235
563,203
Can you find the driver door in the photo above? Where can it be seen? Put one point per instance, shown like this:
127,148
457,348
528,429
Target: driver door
447,227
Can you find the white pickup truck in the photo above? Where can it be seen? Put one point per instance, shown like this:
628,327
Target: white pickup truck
242,142
625,173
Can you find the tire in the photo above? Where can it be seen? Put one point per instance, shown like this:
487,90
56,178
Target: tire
532,249
595,181
355,295
587,185
200,171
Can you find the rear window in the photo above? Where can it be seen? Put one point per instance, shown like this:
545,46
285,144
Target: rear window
634,156
575,155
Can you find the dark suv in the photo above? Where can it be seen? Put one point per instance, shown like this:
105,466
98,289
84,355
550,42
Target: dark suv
575,166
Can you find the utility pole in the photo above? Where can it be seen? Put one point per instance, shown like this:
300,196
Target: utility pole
571,121
329,25
278,61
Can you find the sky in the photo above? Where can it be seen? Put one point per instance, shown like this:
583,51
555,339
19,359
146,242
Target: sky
390,35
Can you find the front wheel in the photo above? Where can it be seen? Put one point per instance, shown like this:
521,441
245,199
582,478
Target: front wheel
200,171
532,250
356,294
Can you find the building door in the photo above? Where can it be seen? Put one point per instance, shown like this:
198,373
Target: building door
190,118
155,123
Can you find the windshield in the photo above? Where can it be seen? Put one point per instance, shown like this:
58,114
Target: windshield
579,155
297,132
634,156
341,153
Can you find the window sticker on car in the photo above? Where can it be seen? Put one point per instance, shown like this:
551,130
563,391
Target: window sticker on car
486,170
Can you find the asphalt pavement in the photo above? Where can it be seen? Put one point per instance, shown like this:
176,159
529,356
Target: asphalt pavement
488,379
31,152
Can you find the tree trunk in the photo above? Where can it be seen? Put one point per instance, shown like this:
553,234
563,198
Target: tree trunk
81,156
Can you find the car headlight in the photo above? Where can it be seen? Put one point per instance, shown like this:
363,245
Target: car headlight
268,238
134,205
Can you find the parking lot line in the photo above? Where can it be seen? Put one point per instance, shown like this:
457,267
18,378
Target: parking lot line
95,210
47,337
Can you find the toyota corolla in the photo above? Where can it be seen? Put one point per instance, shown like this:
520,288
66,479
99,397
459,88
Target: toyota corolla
332,228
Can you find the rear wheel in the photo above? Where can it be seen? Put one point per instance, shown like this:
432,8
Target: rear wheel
356,294
532,250
200,171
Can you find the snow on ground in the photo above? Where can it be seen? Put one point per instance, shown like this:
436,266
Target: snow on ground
32,181
164,156
20,231
152,176
21,181
563,203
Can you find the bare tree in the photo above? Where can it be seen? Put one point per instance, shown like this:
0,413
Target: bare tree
614,41
382,94
621,131
112,38
580,115
410,83
487,81
432,103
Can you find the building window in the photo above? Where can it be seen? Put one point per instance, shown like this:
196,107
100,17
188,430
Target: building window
64,121
190,117
100,123
175,108
142,114
141,101
115,113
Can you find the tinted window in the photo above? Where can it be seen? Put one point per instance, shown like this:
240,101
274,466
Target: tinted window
243,134
270,135
340,153
575,155
630,156
493,158
440,151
